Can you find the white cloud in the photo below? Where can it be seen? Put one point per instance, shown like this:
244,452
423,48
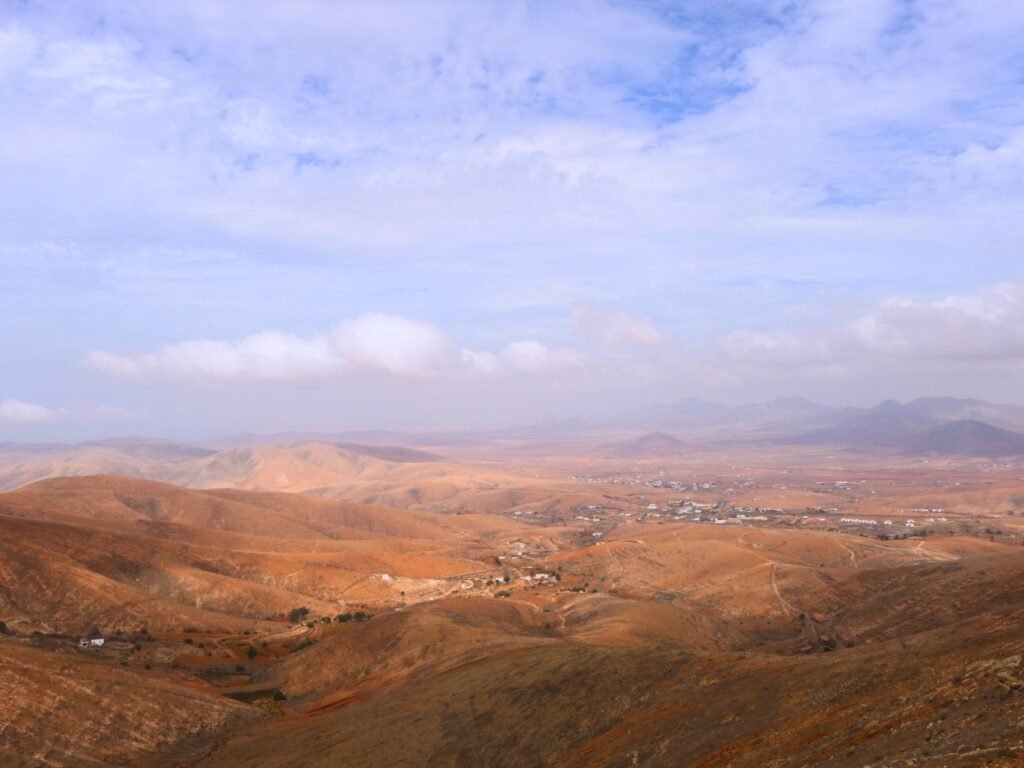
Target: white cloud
370,343
484,363
20,412
615,327
534,357
17,47
268,355
100,68
984,326
777,348
392,344
987,325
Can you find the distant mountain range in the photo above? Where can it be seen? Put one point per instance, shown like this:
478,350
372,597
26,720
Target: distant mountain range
927,426
921,427
782,416
652,445
965,437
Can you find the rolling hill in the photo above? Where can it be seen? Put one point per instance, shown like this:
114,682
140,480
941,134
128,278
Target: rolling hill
276,629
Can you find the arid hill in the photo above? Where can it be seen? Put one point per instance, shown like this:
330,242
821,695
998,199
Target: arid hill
380,476
550,703
293,467
64,708
589,611
117,552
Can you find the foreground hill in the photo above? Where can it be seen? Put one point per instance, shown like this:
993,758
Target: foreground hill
499,687
98,714
117,552
275,629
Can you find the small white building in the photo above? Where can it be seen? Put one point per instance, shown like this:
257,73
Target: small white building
96,642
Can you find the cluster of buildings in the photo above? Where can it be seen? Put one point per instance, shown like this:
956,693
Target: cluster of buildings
639,480
539,579
687,510
908,523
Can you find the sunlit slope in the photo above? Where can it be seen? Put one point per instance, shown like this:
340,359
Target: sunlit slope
105,551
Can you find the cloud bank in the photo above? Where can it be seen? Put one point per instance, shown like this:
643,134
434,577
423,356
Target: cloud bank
960,329
21,412
373,343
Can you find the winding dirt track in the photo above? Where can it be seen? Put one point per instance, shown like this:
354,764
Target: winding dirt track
930,555
775,588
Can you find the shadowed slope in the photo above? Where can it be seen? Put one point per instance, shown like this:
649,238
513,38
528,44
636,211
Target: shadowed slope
102,715
549,704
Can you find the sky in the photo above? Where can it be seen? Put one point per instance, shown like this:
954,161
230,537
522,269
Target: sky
323,215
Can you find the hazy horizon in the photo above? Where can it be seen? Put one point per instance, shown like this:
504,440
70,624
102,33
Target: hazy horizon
607,422
449,215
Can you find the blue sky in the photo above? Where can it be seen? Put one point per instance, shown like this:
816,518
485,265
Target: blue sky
320,215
